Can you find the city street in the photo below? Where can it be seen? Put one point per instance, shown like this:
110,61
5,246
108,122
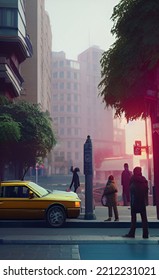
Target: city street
79,239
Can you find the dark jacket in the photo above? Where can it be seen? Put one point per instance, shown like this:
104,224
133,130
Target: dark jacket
125,179
138,193
110,192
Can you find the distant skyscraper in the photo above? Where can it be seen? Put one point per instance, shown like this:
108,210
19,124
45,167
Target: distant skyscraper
98,121
66,112
78,111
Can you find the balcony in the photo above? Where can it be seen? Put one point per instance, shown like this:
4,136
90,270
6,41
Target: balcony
13,35
10,78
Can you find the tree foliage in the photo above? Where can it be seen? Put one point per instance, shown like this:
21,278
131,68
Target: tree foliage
129,66
26,134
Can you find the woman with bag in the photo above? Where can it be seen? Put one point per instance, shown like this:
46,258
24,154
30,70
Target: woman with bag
110,192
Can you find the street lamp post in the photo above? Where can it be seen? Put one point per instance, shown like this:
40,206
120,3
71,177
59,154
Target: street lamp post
88,171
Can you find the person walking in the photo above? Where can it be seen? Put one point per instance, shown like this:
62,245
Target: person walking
110,192
75,179
125,180
138,202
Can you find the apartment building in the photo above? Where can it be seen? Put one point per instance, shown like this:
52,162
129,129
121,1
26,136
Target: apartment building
78,111
66,112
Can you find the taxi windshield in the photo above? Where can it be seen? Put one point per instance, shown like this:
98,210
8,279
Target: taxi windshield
38,189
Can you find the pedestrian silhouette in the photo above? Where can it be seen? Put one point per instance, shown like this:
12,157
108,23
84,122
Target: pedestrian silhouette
138,201
75,178
125,180
110,192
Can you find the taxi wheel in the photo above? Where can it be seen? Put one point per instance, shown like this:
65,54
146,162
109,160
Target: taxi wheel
56,216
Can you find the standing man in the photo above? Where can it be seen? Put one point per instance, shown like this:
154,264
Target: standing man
125,180
138,201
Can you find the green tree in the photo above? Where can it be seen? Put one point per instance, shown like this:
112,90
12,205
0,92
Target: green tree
29,136
129,66
9,135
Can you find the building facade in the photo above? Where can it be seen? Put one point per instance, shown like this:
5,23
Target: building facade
15,47
66,112
37,71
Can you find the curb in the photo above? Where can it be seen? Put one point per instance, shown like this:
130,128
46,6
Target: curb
101,224
104,240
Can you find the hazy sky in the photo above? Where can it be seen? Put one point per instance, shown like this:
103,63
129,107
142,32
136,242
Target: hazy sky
79,24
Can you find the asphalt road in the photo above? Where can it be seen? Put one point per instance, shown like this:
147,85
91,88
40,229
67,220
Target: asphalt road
35,242
92,251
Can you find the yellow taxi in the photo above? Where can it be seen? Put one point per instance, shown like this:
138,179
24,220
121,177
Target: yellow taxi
27,200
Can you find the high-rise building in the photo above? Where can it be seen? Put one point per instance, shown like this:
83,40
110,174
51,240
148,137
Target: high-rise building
98,121
66,112
78,111
15,47
37,71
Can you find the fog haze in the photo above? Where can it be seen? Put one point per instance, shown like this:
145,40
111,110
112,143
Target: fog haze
77,25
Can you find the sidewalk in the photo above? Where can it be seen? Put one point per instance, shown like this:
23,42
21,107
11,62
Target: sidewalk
101,213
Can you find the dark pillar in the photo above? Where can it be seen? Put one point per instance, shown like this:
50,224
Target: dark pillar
88,171
155,138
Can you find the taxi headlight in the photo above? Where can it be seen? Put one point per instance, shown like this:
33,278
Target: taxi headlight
77,204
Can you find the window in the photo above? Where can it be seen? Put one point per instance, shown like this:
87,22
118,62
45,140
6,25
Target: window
75,86
68,144
68,108
62,131
55,64
8,17
69,120
68,97
62,120
69,131
55,75
61,85
61,74
62,108
55,109
76,131
76,120
61,96
76,97
75,76
61,63
76,109
68,85
68,75
14,191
